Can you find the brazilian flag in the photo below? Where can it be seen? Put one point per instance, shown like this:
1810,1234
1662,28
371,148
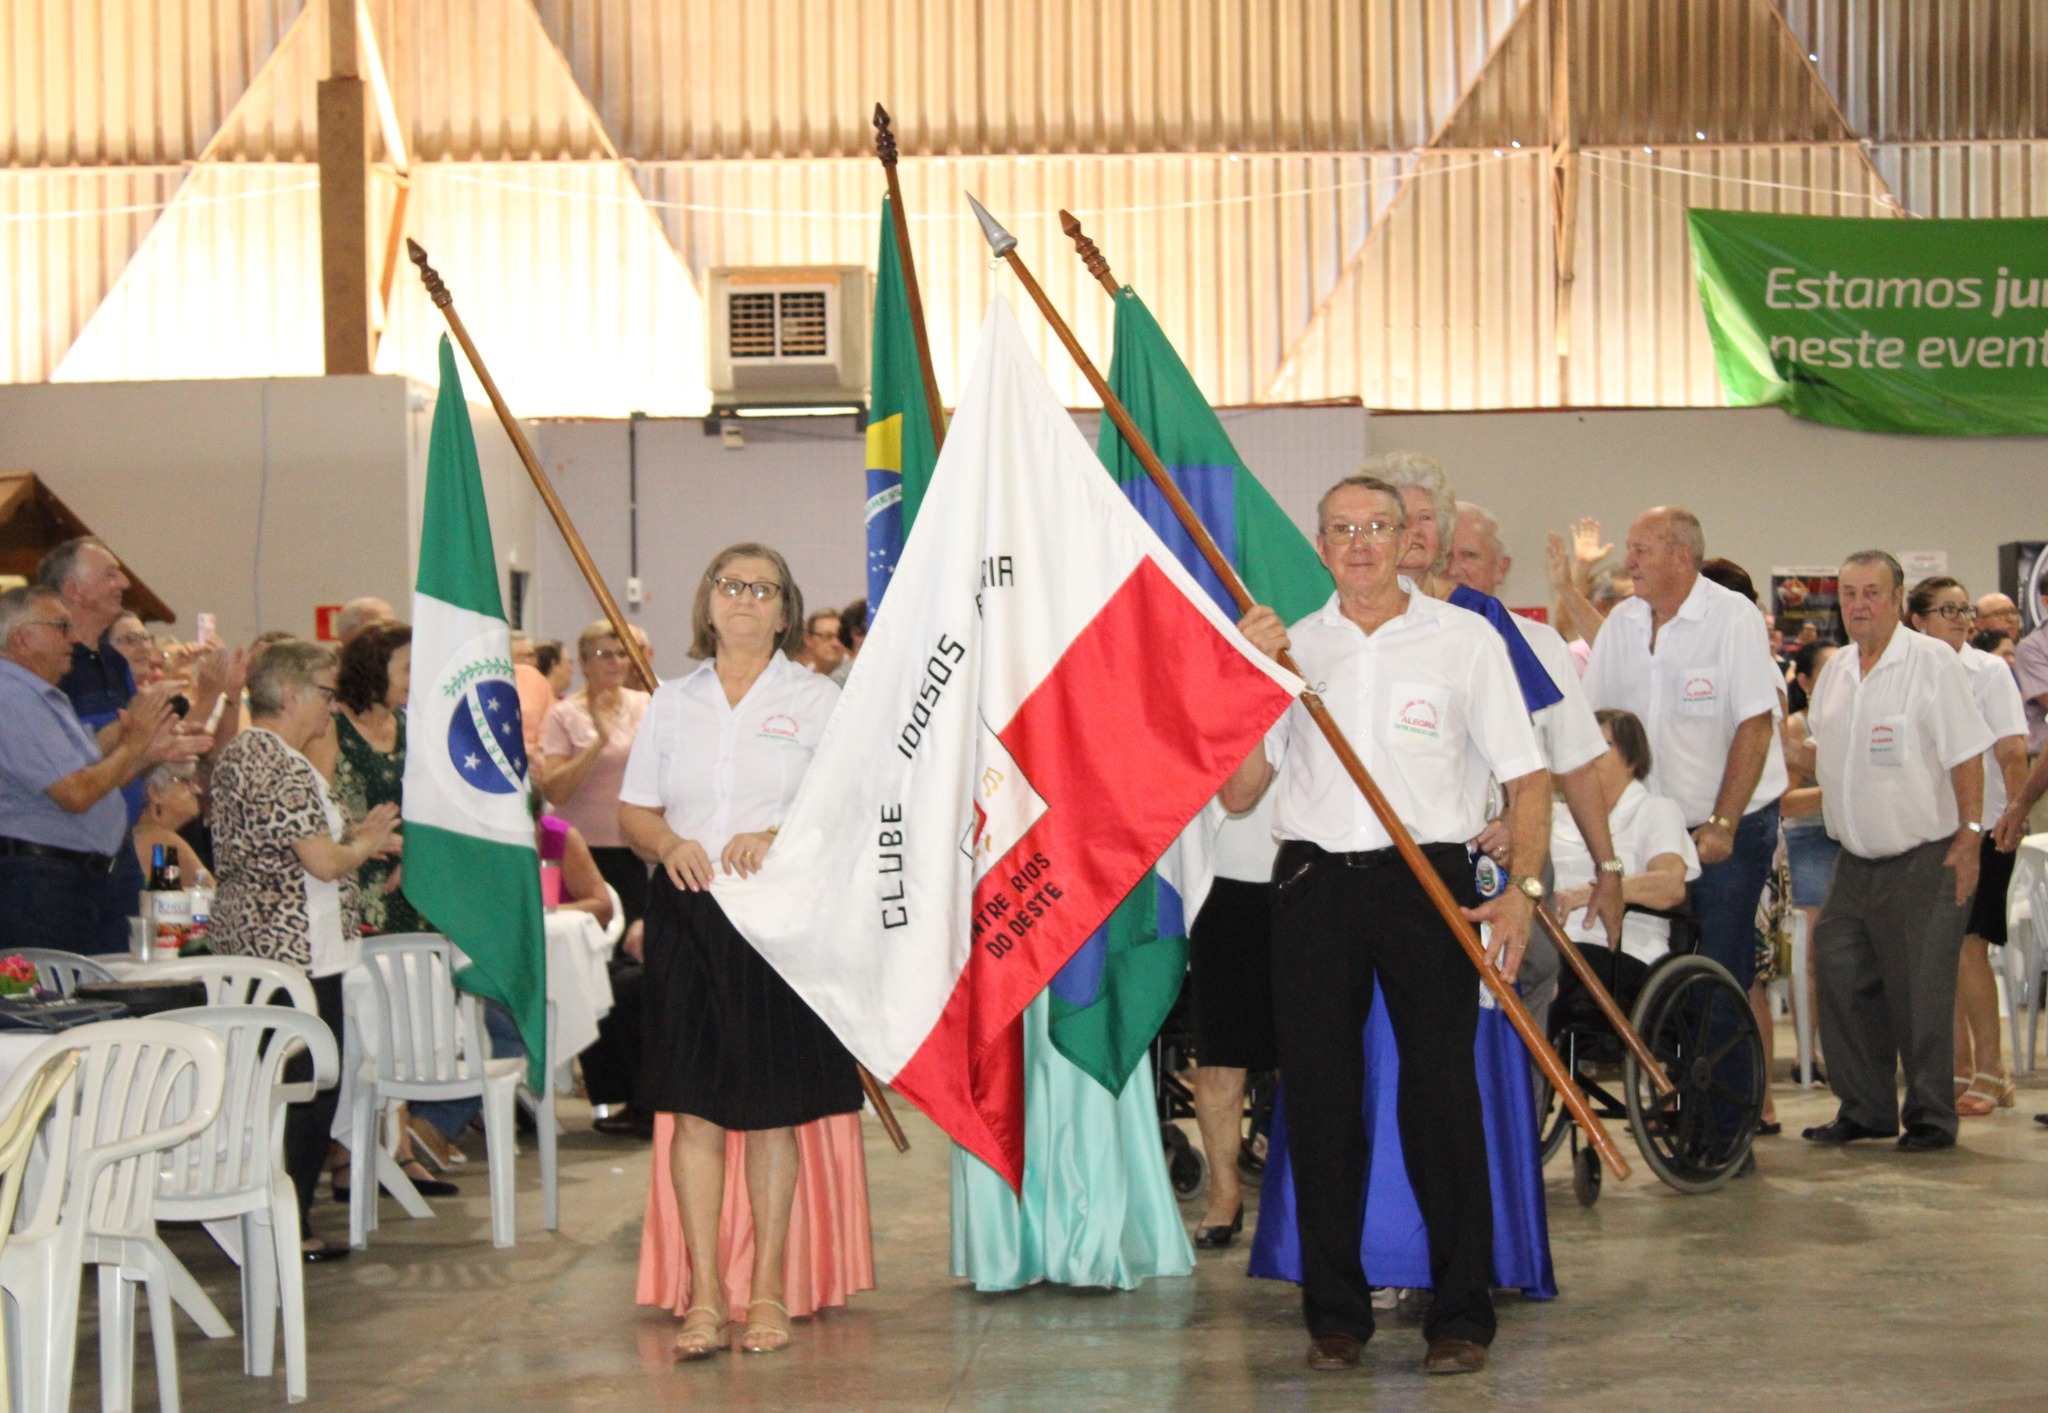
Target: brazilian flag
1112,996
901,446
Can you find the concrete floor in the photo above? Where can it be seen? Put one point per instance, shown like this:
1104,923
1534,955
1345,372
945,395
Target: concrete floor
1860,1278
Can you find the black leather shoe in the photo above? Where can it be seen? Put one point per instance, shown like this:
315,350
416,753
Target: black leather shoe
1217,1237
1841,1131
1925,1138
1769,1130
326,1251
628,1123
1448,1355
2041,1118
1333,1352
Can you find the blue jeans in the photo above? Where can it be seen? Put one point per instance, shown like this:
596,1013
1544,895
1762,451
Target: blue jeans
56,903
1724,901
452,1116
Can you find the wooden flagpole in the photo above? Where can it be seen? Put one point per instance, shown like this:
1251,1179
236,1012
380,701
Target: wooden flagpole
437,290
1098,266
1005,246
885,152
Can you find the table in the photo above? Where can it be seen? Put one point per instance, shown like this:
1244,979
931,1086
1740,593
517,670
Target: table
579,982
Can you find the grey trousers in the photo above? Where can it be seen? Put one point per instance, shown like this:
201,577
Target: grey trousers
1886,951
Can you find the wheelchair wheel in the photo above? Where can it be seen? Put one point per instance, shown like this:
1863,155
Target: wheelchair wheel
1586,1176
1186,1167
1698,1023
1553,1120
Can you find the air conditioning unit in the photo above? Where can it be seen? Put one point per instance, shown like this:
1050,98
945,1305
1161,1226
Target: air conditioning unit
787,337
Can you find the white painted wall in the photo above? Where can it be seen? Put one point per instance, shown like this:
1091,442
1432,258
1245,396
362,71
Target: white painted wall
255,499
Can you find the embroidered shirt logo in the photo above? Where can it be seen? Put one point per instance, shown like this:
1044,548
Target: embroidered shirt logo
1418,717
779,728
1698,688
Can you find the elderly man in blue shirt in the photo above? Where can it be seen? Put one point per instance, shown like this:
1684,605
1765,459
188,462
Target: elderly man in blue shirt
63,823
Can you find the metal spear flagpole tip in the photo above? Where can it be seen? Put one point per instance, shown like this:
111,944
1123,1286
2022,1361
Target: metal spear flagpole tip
885,137
999,240
437,290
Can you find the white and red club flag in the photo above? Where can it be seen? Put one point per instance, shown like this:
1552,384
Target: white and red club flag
1046,701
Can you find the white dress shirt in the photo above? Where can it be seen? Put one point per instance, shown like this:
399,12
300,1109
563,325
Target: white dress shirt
716,770
1711,671
1245,844
1644,827
1566,732
1884,743
2004,711
1430,704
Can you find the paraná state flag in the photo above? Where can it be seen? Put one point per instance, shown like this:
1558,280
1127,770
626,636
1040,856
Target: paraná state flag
1110,1000
470,858
1047,703
901,446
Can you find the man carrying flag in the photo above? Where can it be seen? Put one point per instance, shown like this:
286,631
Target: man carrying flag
470,858
1017,754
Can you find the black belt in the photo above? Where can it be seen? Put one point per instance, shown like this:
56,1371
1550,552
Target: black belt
1296,852
23,848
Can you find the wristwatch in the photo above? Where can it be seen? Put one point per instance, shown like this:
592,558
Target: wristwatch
1725,823
1973,826
1532,888
1613,866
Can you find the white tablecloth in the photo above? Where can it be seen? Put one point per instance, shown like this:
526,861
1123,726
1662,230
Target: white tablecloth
578,982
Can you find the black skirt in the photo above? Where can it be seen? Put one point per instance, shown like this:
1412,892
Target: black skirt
726,1039
1231,970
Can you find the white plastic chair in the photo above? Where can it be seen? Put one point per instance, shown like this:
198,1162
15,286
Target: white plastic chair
17,1136
60,972
141,1086
430,1044
616,928
241,981
547,1128
232,1177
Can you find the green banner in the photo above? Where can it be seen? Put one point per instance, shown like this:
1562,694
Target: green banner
1877,324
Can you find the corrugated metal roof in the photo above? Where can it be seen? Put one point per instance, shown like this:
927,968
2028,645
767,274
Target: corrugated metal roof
692,79
135,82
1973,179
1929,70
1448,305
1232,255
65,237
1639,338
472,80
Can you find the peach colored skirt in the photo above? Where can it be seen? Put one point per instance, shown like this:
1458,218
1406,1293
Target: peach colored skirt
830,1255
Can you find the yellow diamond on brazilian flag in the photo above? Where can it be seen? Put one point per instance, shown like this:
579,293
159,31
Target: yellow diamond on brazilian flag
901,447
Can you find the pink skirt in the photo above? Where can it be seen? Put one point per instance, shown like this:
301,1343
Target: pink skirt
830,1254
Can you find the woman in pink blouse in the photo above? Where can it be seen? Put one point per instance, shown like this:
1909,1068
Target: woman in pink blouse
584,745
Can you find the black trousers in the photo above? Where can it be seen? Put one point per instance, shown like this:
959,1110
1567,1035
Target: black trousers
611,1065
308,1126
627,874
1339,922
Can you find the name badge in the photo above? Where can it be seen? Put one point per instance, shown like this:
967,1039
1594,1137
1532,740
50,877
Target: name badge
1887,744
1699,691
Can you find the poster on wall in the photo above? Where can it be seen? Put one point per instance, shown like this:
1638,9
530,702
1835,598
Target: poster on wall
1880,325
1803,599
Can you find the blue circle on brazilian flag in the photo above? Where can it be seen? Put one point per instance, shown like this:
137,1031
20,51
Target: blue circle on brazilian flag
486,743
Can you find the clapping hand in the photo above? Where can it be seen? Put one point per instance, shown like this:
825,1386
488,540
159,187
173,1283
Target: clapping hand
378,830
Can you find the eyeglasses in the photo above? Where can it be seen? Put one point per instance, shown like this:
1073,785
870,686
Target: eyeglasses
62,625
1373,532
766,591
133,640
1953,611
606,654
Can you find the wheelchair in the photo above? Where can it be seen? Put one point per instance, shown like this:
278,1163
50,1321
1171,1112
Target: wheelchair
1697,1023
1173,1055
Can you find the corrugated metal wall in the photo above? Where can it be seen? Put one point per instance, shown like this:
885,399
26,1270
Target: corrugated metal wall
1253,166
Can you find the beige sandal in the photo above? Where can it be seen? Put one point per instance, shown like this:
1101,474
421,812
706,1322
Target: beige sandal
764,1339
1987,1093
701,1343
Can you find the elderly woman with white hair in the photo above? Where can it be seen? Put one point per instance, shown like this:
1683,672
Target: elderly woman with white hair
1432,511
287,868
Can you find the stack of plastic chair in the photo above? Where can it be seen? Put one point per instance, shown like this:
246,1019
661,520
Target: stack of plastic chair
33,1091
141,1086
60,972
232,1176
430,1044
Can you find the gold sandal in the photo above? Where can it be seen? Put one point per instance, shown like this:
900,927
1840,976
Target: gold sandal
701,1343
764,1339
